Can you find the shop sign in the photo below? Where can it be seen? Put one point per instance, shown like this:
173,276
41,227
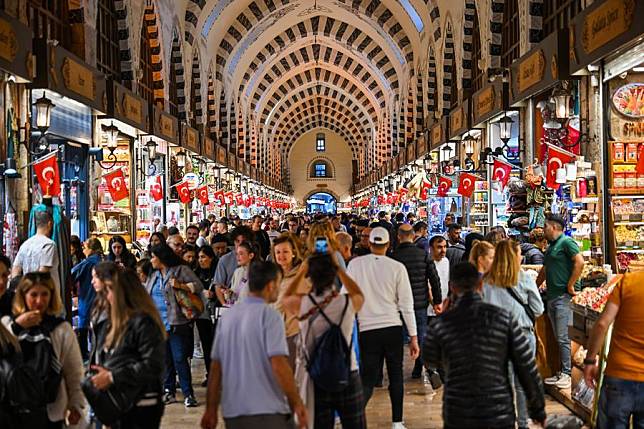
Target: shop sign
190,138
247,169
602,28
221,155
541,68
209,148
232,161
192,179
411,152
627,115
421,145
15,47
383,169
165,125
459,122
401,158
63,72
438,133
489,101
629,100
127,107
390,168
394,165
253,173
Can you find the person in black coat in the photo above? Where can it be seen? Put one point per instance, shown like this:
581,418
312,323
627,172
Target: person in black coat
120,254
474,342
133,352
421,270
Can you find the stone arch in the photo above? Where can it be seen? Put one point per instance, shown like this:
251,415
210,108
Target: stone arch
420,104
125,52
196,107
469,17
450,86
432,84
211,108
177,68
151,29
191,17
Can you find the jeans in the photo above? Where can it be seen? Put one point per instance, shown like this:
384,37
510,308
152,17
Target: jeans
377,345
421,327
561,317
618,401
179,346
522,405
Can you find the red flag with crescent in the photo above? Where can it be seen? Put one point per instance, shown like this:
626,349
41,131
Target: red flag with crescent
202,194
424,190
116,185
229,197
46,169
156,188
501,172
444,184
557,158
184,192
220,198
466,184
239,199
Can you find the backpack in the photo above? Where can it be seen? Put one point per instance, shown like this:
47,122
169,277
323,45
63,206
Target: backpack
329,365
40,358
22,395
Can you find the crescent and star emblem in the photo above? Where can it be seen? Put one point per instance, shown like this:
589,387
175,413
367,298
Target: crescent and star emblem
48,174
117,183
499,173
467,182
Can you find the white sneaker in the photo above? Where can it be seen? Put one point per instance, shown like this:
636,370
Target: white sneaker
564,382
553,380
398,425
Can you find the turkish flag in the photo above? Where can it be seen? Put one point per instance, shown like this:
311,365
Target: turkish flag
220,198
501,172
402,193
202,194
444,184
184,192
557,158
229,197
381,199
156,189
640,159
239,199
116,185
424,190
466,184
46,169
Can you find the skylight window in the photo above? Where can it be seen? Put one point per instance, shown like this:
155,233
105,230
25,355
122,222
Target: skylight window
413,14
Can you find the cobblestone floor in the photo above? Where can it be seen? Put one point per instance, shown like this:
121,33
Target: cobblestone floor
422,406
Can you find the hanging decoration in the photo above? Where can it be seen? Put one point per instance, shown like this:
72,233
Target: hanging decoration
501,172
183,190
557,158
202,194
466,184
156,188
46,169
444,185
116,185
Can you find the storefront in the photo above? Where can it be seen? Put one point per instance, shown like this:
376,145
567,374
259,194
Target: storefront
165,130
16,70
127,146
192,211
77,92
444,198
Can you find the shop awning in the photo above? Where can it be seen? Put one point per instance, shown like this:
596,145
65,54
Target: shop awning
541,68
489,101
63,72
603,28
15,48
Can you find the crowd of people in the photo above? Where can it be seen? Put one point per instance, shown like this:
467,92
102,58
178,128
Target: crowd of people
296,319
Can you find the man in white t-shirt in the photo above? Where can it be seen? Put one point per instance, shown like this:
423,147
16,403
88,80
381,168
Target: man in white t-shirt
39,253
385,285
438,250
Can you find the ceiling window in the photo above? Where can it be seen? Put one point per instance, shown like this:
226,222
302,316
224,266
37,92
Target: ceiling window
557,14
48,20
320,143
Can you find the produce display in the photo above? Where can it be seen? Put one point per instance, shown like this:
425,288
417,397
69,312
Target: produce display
595,298
630,261
629,233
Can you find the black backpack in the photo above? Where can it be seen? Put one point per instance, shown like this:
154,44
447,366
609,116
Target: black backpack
40,358
330,363
22,394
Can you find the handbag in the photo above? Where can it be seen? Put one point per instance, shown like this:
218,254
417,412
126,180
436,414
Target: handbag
190,303
111,404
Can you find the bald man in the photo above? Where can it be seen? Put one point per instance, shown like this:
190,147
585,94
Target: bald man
345,241
422,273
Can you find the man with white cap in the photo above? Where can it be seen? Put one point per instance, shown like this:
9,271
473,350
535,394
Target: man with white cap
385,285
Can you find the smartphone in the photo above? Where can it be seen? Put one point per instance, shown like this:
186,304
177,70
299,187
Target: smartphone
321,245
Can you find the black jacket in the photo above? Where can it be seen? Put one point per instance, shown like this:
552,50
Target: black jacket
532,255
473,342
420,268
455,254
144,342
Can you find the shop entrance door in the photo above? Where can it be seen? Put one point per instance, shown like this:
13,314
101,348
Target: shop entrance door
74,192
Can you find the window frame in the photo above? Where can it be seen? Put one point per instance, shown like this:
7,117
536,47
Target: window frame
510,33
47,16
107,40
320,138
317,171
557,15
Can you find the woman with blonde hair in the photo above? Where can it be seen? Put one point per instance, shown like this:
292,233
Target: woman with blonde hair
35,308
481,256
285,252
507,286
133,353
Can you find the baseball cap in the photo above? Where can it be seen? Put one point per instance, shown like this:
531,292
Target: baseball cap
379,235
